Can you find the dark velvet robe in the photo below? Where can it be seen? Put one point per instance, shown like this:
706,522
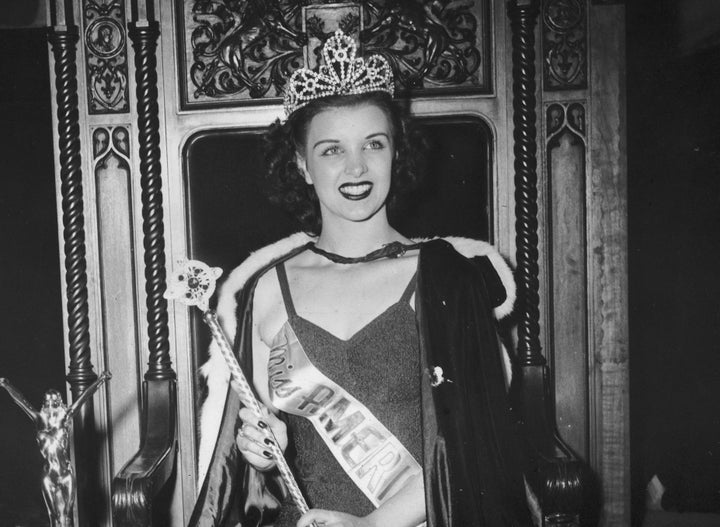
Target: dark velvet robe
470,458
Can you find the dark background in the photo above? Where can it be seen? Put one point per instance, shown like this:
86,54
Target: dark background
31,333
673,86
673,116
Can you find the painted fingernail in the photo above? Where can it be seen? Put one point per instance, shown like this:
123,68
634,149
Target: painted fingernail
262,424
267,454
268,441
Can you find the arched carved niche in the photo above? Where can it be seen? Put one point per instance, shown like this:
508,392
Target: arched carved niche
566,153
117,279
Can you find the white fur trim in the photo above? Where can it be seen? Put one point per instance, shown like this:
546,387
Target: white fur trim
216,372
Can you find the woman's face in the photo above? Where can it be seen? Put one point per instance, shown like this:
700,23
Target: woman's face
348,158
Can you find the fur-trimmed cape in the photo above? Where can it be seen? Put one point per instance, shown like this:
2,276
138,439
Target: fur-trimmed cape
215,370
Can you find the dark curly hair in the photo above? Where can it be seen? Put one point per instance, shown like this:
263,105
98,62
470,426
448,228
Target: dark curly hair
285,184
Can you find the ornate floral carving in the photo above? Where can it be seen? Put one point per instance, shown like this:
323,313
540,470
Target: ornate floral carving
320,23
106,56
565,45
239,50
430,44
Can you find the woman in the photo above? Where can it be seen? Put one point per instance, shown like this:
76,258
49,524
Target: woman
378,353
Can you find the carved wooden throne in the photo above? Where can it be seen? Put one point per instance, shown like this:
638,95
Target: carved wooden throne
158,133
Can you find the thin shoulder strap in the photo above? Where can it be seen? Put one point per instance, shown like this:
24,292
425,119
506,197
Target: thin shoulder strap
285,289
410,289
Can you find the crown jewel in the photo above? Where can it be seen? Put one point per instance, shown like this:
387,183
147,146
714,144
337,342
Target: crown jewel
341,74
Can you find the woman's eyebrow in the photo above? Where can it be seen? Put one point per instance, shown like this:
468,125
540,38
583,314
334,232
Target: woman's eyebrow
336,141
333,141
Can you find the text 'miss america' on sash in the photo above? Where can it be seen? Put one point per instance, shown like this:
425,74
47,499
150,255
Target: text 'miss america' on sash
369,453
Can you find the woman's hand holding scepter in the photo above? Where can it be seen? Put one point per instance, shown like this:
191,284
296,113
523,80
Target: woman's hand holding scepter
193,284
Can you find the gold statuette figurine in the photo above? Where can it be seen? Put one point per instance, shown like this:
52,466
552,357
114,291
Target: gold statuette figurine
53,424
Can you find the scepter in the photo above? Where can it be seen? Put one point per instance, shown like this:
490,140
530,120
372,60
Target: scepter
192,284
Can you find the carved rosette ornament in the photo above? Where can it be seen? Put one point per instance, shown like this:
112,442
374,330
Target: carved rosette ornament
106,56
564,45
240,51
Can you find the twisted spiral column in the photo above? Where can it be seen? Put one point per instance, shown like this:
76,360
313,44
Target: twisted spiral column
63,40
81,373
144,37
523,17
557,479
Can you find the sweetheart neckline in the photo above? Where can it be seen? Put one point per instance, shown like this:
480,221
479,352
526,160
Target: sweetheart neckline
358,333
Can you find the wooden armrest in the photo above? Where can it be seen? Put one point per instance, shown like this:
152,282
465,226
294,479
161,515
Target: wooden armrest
554,474
140,480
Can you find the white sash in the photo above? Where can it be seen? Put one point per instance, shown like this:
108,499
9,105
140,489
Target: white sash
371,456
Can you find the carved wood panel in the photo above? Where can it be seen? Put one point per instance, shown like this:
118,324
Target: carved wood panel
106,67
239,52
607,265
564,33
566,152
113,185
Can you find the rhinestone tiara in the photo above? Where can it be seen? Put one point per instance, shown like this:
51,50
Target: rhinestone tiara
341,74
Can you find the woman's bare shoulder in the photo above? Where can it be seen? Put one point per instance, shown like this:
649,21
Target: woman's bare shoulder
268,308
267,291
